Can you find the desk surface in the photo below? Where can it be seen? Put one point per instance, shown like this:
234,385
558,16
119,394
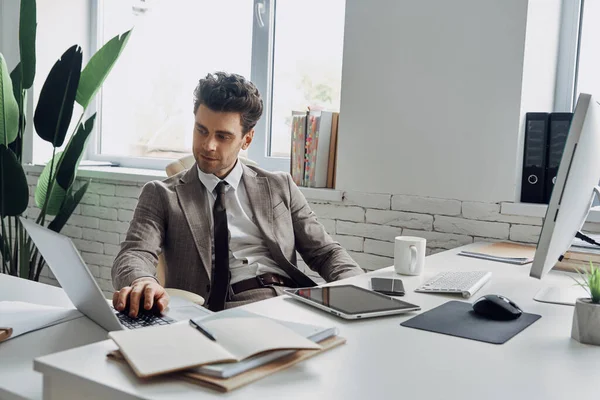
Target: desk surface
18,380
381,358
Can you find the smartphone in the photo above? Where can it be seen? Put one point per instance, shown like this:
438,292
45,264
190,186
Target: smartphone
391,287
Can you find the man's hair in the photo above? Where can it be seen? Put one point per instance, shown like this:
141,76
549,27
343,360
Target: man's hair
225,92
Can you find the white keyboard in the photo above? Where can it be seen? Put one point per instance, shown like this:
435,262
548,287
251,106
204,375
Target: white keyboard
460,282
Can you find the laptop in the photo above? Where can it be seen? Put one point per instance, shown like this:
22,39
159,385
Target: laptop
75,278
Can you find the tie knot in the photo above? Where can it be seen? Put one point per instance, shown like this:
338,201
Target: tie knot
221,186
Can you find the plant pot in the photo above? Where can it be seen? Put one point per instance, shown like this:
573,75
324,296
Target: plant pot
586,322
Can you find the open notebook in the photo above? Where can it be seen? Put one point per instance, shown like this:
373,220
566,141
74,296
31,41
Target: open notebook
163,349
18,318
227,370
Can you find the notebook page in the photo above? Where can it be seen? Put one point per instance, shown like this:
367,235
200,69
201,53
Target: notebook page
244,337
25,317
155,350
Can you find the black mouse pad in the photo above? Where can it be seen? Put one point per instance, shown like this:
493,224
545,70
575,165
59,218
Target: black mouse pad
456,318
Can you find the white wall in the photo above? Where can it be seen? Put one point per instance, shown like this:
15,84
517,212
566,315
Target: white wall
539,68
431,97
9,32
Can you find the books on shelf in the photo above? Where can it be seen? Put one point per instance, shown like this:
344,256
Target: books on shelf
314,148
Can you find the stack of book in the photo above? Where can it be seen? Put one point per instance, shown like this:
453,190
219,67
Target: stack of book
314,148
506,252
578,259
223,351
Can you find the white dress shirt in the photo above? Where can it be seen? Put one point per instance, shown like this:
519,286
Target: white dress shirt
249,255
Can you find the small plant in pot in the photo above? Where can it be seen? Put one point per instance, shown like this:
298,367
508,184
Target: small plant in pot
586,317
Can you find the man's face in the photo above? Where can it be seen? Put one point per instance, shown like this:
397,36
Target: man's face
217,140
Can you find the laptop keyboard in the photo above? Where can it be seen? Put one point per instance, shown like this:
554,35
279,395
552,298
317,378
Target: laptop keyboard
143,320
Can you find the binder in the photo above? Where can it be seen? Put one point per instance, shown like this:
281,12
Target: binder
557,137
534,158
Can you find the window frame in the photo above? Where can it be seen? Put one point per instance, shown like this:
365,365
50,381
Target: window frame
263,29
568,55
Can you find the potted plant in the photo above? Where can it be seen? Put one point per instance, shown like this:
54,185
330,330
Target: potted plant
66,84
586,317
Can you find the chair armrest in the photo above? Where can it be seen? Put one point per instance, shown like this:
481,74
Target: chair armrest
184,294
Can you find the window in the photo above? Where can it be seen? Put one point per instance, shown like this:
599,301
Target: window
291,49
588,65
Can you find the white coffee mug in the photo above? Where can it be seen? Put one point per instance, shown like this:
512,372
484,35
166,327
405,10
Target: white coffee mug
409,255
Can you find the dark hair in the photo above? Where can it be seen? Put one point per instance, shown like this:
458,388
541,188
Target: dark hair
230,93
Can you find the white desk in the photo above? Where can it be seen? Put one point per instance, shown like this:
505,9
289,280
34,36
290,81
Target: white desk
18,380
381,359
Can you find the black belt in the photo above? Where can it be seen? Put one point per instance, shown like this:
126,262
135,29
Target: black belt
262,281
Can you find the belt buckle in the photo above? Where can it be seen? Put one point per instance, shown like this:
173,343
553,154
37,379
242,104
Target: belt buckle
261,283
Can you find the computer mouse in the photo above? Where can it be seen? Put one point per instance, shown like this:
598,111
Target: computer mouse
496,307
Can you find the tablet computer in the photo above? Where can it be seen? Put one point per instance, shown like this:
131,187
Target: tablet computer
351,302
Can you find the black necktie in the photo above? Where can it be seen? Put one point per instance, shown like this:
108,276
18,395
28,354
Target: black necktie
220,284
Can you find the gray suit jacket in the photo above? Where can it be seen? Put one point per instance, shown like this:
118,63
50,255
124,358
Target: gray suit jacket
173,216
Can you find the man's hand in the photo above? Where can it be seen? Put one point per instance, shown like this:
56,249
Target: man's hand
143,288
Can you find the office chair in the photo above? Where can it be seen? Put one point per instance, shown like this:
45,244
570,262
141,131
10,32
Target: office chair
172,169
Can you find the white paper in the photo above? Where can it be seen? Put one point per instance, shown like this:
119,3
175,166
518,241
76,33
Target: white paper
27,317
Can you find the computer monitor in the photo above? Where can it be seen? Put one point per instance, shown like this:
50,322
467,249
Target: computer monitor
576,182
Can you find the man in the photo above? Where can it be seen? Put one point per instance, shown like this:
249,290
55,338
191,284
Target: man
228,231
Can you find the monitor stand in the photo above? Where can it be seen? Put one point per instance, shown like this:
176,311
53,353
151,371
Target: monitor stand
568,294
565,295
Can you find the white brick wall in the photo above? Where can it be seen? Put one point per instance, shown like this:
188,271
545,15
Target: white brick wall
426,205
379,247
368,200
402,219
331,211
363,223
491,212
372,231
463,226
353,243
525,233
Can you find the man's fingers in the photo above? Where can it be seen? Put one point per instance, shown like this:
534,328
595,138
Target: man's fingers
122,298
134,299
149,291
163,301
115,299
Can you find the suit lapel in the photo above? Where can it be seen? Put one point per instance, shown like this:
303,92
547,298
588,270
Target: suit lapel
259,194
192,199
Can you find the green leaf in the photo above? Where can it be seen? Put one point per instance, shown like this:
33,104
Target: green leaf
4,249
15,77
67,209
57,98
98,68
9,109
27,28
67,169
58,194
14,192
17,145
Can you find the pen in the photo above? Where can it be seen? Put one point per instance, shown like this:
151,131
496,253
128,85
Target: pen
204,331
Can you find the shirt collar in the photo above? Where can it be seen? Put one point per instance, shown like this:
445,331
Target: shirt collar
210,181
